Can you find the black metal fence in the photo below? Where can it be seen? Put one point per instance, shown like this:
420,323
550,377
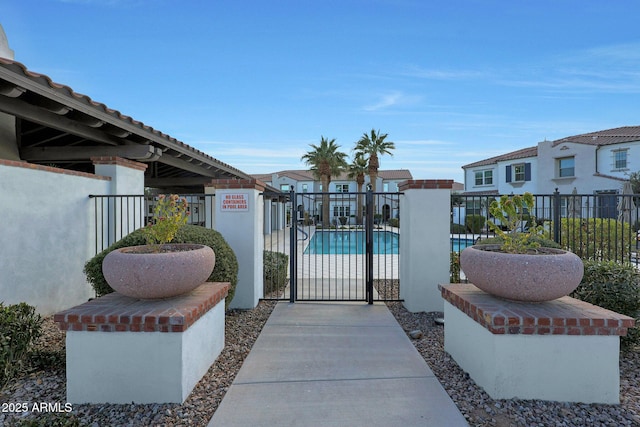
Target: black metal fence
117,216
331,253
601,226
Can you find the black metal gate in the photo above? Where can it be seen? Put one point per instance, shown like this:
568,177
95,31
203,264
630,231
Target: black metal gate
336,246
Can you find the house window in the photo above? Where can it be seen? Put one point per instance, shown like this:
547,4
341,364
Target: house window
484,177
342,188
566,167
285,187
305,187
341,211
518,173
620,159
385,187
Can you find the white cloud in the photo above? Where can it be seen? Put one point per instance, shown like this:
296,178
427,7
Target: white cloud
392,99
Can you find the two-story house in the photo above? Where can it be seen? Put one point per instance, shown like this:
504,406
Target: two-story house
343,199
597,162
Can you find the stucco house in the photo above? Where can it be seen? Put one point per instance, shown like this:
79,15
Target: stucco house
343,204
591,163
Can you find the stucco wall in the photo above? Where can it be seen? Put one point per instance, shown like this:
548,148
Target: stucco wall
47,231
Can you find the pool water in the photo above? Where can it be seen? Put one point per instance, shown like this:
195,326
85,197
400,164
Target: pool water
458,245
352,243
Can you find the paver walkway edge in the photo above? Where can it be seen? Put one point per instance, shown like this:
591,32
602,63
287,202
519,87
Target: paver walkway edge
335,364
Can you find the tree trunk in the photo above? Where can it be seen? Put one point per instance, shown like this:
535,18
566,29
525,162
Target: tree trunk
326,221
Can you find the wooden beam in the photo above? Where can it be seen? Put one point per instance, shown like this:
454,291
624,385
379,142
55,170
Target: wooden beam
46,118
142,153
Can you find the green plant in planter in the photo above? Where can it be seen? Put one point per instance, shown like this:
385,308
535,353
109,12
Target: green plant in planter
225,270
513,212
169,214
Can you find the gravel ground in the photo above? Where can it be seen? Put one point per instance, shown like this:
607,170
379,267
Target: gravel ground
243,327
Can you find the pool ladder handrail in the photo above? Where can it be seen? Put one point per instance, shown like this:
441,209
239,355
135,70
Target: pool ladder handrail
306,235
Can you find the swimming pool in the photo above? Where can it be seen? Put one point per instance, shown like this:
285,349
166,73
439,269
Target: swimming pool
458,244
339,242
345,242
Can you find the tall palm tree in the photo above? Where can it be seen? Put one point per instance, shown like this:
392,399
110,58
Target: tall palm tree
325,161
372,145
357,170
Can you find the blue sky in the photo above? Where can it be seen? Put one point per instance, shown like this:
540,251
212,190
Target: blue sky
253,83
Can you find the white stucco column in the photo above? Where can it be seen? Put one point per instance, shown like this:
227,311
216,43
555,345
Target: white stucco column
127,178
239,213
424,242
267,216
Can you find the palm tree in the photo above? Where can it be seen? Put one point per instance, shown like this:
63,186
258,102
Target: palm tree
373,145
325,161
357,169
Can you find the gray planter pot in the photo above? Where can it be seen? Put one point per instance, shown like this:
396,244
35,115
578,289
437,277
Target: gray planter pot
522,277
138,272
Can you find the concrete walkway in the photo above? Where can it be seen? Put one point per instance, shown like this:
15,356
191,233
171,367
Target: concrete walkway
335,364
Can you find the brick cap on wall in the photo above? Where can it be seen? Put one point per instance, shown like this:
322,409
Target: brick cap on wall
115,160
563,316
233,184
427,184
115,312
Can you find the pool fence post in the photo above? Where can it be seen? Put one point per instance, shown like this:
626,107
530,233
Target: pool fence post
424,242
239,217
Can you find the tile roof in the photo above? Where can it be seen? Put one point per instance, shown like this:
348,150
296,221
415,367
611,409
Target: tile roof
514,155
604,137
15,79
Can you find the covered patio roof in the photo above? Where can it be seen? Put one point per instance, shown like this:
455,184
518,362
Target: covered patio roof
55,125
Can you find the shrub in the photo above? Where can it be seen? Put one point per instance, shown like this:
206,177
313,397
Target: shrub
20,326
597,238
613,286
225,270
394,222
458,228
474,223
454,268
276,266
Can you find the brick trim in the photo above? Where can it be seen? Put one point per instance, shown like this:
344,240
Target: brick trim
233,184
563,316
425,184
115,160
33,166
118,313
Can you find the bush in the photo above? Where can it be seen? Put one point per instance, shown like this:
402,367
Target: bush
458,228
394,222
225,270
454,268
597,238
474,223
276,267
613,286
20,326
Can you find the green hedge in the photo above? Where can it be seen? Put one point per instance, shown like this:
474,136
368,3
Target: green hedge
597,238
225,270
616,287
20,326
474,223
276,267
